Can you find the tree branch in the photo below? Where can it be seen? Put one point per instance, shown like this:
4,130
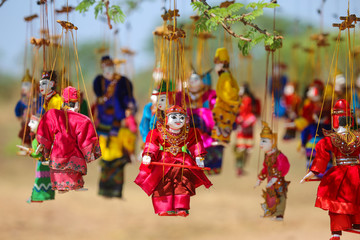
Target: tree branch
2,2
241,19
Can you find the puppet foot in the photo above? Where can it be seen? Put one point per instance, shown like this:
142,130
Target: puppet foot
182,213
335,237
81,189
278,218
62,191
167,213
356,227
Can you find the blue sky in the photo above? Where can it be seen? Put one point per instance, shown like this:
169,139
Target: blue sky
143,21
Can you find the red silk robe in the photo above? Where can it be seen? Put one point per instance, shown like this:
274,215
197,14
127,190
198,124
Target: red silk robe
70,141
339,189
150,176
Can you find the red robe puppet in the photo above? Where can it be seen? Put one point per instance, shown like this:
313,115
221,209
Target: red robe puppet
171,187
70,141
339,189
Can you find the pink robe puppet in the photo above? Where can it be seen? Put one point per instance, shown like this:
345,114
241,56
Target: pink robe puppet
275,167
70,141
171,186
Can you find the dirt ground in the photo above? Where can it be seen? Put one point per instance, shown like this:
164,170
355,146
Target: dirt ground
228,210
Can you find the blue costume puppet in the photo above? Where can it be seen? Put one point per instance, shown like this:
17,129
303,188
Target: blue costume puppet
115,106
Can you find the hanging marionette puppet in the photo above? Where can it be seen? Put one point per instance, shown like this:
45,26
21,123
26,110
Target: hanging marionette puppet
155,110
42,187
227,101
52,100
201,98
339,189
115,107
21,109
291,101
313,133
69,141
245,122
276,166
175,153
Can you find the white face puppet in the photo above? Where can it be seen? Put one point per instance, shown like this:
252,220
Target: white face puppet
157,75
289,90
33,125
162,102
176,120
241,91
195,82
25,88
312,94
108,72
266,144
218,67
46,86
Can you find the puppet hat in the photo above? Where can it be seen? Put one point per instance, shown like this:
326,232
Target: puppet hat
107,61
70,94
266,132
222,55
175,109
49,75
27,77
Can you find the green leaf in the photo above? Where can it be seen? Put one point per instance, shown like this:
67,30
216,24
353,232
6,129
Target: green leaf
84,5
99,8
116,14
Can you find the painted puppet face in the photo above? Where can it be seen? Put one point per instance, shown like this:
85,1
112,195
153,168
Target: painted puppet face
162,102
218,67
46,86
195,82
108,72
313,94
266,144
157,74
176,120
25,88
289,90
33,125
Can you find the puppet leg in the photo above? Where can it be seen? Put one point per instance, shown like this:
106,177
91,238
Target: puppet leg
280,208
183,189
163,196
339,222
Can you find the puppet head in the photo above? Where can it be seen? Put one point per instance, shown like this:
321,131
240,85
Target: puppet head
158,74
175,117
340,82
70,97
268,138
108,67
222,59
34,123
47,82
289,89
341,114
26,84
195,82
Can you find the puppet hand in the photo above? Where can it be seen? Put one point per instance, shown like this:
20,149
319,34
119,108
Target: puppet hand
307,176
271,182
39,149
200,162
258,182
146,160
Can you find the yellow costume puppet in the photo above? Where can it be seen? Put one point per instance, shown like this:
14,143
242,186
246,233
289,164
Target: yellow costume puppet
227,101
